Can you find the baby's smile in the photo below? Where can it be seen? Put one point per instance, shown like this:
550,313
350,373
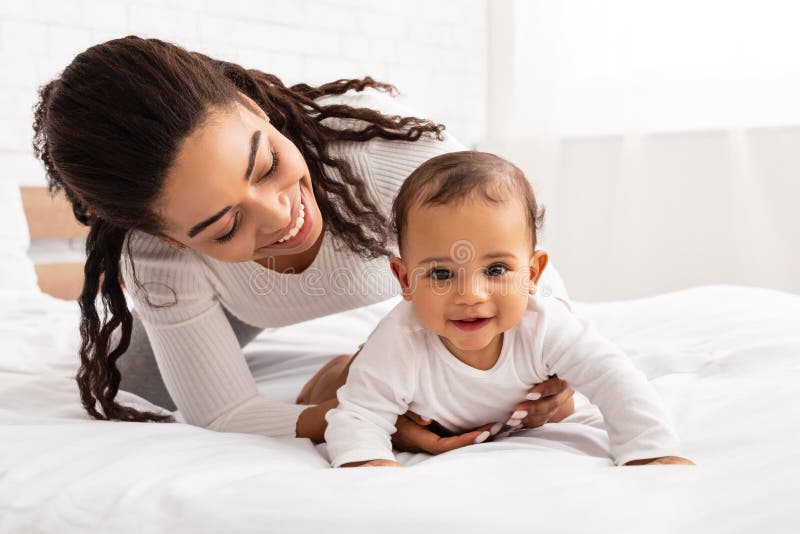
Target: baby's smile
470,325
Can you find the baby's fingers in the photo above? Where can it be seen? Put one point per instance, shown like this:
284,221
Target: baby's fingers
382,463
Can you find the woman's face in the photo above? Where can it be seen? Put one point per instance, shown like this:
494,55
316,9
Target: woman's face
238,189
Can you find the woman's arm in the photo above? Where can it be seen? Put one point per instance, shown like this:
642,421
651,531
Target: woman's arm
198,355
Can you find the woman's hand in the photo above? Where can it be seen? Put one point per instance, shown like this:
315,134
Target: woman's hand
664,460
548,402
413,436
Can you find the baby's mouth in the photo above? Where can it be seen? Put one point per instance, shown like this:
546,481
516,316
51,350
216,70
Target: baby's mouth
471,324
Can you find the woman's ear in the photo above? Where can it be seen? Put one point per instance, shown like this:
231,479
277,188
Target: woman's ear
399,271
537,266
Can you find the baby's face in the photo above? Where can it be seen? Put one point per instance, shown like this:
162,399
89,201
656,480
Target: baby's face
468,270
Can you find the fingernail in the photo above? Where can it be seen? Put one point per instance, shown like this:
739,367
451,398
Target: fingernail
513,422
533,396
495,428
519,414
482,437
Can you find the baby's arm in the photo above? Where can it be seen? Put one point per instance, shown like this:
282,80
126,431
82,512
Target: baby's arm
638,424
377,391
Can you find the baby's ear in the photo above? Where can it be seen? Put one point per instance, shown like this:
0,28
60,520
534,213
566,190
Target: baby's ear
537,265
399,271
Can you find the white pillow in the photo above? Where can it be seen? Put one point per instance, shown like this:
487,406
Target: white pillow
16,269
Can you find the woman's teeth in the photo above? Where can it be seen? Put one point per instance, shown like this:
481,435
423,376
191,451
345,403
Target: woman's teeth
297,225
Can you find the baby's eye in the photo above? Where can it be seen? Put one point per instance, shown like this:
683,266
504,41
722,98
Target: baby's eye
441,274
497,270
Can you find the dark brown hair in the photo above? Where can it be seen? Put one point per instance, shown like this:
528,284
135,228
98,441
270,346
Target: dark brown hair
457,176
108,129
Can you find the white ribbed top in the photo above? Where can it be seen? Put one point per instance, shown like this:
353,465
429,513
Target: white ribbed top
198,355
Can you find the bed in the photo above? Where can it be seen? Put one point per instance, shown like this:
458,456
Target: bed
726,359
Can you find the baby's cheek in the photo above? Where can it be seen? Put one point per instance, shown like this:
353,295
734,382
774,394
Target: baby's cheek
512,309
429,314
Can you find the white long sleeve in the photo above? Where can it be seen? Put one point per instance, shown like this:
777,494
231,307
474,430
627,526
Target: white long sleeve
402,366
380,386
637,423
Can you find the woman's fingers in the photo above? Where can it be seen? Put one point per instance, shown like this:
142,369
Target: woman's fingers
535,413
566,409
549,387
438,445
412,437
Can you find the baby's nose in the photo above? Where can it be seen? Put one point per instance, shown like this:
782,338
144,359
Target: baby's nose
472,292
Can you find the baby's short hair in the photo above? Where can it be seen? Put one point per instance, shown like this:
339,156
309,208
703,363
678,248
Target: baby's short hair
457,176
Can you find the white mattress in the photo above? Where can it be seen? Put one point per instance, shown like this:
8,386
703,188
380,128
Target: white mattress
725,359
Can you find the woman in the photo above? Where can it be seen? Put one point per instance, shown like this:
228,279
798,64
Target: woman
226,202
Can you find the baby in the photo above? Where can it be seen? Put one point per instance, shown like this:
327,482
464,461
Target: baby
473,334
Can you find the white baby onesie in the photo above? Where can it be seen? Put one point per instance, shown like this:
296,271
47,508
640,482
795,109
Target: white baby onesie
403,366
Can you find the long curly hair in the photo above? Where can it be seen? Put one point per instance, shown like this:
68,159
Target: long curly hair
107,131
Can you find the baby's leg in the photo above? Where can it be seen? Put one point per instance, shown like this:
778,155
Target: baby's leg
327,381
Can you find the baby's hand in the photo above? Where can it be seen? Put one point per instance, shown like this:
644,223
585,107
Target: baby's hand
382,463
662,461
374,463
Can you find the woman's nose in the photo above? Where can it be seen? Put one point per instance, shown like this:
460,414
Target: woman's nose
272,213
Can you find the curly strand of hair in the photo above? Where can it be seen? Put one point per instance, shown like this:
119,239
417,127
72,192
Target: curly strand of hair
98,377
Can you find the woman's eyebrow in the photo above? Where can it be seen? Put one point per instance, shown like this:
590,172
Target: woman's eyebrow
199,227
253,149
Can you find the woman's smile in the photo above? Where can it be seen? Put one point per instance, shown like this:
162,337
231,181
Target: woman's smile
297,231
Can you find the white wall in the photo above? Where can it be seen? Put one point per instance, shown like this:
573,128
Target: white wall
662,165
663,138
435,52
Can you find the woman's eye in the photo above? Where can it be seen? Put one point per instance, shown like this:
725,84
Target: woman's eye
227,237
441,274
497,270
272,167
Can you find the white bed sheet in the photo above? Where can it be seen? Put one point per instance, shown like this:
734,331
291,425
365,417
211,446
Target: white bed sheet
726,360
